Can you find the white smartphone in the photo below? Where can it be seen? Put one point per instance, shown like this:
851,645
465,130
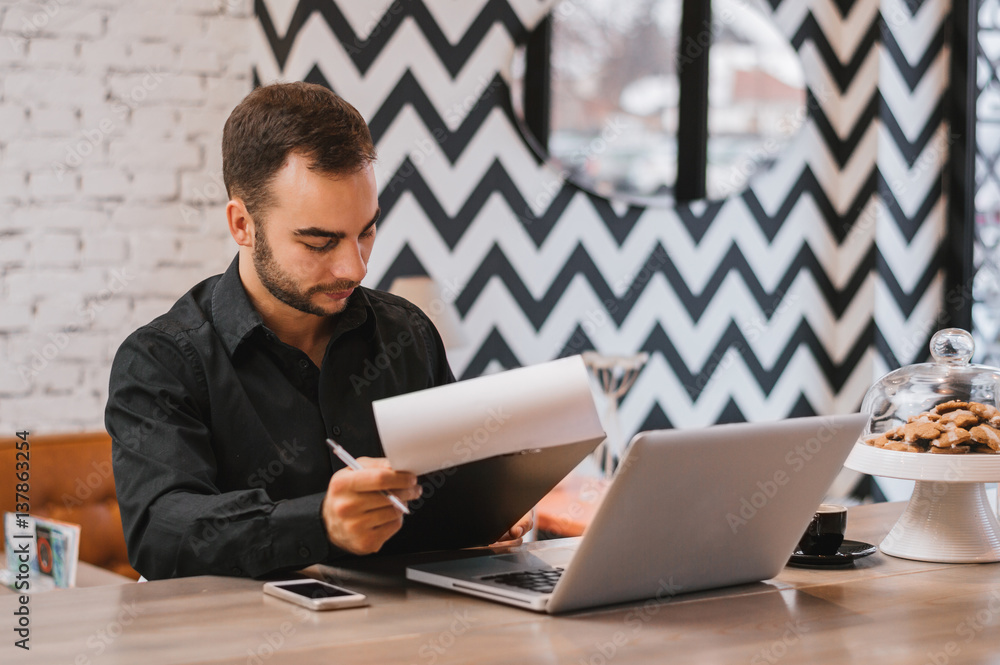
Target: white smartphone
315,595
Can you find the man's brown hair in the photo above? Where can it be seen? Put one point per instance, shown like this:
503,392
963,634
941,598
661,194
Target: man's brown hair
277,119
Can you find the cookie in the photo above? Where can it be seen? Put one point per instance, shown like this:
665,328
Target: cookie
895,434
952,450
986,435
954,436
983,449
902,446
961,418
953,405
984,411
913,432
878,441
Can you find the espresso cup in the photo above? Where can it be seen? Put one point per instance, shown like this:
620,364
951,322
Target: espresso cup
825,532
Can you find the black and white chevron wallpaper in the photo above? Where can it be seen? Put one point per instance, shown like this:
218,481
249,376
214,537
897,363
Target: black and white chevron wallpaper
788,299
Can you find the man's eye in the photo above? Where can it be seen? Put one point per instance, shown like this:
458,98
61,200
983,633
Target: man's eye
320,248
369,233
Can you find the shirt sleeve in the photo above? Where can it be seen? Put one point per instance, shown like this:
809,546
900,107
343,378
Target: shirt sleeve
176,520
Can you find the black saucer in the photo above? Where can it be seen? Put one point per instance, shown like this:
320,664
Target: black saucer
845,556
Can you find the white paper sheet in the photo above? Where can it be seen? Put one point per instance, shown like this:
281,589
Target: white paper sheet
543,405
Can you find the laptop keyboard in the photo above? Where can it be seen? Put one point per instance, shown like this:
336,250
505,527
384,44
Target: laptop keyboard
542,580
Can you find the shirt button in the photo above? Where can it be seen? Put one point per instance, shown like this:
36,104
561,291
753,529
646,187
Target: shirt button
304,364
304,552
237,571
336,431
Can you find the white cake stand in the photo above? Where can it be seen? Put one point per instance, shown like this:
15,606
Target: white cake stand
948,519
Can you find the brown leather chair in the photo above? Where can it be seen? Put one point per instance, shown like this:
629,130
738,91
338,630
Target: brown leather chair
71,480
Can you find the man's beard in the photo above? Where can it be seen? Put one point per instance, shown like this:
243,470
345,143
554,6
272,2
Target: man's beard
281,285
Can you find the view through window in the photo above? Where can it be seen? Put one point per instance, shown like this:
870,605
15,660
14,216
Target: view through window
615,92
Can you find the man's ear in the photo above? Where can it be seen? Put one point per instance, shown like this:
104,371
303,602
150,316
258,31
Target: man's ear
241,224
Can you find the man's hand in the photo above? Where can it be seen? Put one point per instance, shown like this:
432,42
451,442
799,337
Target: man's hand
358,517
515,536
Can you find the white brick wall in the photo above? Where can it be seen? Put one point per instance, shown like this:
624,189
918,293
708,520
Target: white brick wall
111,114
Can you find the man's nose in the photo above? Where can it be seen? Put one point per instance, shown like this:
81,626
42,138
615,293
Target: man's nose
349,263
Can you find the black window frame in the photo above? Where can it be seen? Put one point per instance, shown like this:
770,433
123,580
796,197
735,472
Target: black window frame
963,93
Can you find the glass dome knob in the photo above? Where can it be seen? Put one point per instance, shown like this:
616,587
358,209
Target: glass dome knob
952,346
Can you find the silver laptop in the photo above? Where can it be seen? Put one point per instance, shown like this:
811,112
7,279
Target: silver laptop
687,510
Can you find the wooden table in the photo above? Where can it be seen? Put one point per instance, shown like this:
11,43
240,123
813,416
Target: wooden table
87,575
884,610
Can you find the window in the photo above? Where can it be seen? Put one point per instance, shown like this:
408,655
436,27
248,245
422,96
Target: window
619,94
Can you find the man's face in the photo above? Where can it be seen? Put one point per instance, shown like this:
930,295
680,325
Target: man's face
312,251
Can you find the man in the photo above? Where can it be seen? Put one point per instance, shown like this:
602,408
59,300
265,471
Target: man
218,410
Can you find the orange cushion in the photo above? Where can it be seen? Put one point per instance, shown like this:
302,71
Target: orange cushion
72,480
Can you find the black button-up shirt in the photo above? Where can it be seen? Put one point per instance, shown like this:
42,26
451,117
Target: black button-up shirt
219,428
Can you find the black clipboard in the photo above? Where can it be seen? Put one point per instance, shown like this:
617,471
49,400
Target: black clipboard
476,503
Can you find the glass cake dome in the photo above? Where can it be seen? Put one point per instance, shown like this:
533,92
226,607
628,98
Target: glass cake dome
915,389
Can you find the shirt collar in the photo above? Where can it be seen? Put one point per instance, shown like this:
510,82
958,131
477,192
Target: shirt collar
235,318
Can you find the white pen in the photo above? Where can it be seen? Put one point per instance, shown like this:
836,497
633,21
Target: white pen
352,463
